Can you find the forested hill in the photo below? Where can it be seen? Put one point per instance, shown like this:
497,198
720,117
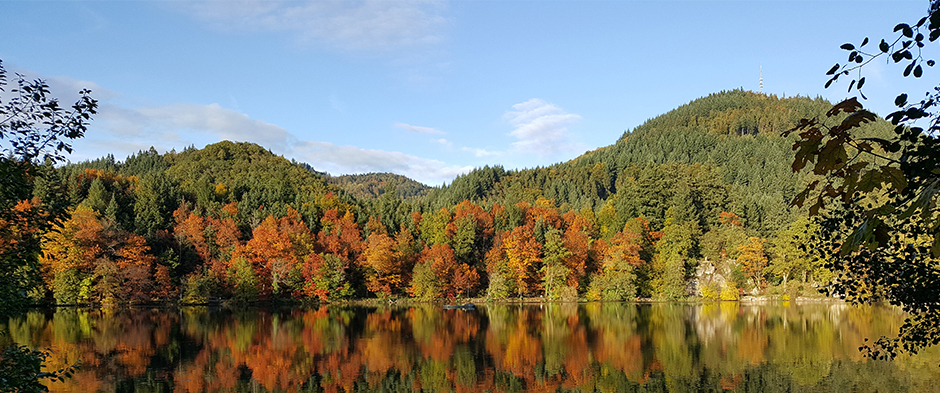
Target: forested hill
720,152
374,185
148,187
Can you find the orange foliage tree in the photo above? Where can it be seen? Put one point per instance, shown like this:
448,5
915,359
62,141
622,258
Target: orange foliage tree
617,280
577,240
517,261
753,260
384,275
275,252
87,260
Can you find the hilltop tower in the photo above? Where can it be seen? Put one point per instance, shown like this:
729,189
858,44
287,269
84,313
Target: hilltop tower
762,79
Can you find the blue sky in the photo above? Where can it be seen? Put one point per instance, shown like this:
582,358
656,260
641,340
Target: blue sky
426,89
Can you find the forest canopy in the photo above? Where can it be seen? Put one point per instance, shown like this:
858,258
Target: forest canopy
692,203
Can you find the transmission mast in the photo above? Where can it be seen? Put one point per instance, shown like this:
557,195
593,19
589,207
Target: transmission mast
762,79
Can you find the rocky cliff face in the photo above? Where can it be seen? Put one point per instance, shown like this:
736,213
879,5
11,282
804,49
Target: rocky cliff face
712,280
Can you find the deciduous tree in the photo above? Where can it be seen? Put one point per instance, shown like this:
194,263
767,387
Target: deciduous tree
753,260
885,237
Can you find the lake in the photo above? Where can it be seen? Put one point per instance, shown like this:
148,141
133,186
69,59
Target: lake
604,347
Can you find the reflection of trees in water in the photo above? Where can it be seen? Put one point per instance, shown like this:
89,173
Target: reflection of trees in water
550,347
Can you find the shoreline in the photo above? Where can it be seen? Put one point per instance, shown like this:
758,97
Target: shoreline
748,300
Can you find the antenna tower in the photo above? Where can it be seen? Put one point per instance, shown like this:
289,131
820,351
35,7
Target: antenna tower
762,79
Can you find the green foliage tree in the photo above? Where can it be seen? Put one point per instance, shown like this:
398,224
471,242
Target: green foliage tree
878,196
673,253
554,272
797,254
153,205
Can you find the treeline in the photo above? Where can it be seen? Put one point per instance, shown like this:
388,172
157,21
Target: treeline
699,195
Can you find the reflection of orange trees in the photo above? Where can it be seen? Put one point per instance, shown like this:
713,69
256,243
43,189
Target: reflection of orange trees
514,346
207,373
382,344
625,356
438,334
598,346
273,350
576,369
751,344
618,343
108,344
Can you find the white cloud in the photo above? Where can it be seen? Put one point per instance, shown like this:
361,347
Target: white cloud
350,159
444,142
63,87
541,128
171,120
180,125
122,131
419,129
353,25
481,152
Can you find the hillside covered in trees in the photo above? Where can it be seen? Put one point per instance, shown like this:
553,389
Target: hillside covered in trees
700,192
374,185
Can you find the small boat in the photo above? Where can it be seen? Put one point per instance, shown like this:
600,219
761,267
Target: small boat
465,306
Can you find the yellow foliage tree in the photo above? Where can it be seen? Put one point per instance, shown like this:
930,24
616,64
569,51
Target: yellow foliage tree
753,260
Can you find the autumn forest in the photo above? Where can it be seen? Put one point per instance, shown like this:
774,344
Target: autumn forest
693,203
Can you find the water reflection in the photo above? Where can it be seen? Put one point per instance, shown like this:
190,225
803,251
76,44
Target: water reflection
604,347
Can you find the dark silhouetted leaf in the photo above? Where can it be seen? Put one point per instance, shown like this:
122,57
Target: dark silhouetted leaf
847,106
857,118
848,46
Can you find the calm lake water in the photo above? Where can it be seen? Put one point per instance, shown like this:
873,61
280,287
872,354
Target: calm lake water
604,347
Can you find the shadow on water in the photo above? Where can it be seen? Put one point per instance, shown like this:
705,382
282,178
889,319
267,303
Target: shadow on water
605,347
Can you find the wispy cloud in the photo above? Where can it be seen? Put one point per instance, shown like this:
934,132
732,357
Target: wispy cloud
419,129
65,88
444,142
350,25
350,159
172,120
481,152
541,128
